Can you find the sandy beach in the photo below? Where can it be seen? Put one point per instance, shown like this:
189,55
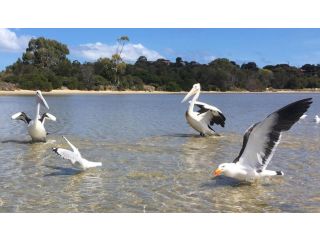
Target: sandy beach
77,92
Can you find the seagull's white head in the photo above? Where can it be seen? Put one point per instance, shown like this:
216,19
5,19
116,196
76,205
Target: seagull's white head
195,89
224,169
41,100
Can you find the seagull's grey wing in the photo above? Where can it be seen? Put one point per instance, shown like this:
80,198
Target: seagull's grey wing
67,154
261,139
75,150
245,141
210,114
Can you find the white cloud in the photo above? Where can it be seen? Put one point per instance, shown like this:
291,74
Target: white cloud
130,53
209,58
10,42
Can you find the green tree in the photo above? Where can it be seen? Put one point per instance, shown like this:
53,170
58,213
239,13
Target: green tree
105,68
43,53
119,64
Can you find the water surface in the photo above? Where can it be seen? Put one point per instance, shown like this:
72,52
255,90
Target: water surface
152,160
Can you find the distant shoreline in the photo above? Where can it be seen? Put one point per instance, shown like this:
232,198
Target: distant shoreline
86,92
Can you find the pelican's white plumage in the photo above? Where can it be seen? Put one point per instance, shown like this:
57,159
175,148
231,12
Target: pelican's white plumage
260,142
317,119
36,126
75,157
205,117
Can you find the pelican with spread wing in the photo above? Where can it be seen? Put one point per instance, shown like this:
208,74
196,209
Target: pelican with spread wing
203,119
36,126
260,142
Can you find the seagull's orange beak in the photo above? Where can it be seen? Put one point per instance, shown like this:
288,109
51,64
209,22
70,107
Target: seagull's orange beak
217,172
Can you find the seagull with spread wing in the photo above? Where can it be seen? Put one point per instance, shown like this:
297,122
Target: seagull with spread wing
75,157
260,142
207,115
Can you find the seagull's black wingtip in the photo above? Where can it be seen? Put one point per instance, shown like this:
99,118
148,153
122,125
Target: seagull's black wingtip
306,100
279,173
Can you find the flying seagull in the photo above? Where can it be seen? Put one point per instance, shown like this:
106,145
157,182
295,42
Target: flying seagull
260,142
36,126
75,157
207,115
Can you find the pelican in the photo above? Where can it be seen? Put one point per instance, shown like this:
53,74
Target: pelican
75,157
205,117
317,119
260,142
36,126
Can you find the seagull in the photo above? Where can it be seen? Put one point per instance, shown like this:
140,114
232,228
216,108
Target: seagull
75,157
317,119
36,126
205,117
260,142
303,116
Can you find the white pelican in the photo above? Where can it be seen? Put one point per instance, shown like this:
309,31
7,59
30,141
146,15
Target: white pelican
75,157
317,119
36,126
260,142
205,117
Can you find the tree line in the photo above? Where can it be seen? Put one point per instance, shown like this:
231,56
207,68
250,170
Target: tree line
45,66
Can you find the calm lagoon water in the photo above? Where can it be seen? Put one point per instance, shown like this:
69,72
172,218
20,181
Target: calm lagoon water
152,160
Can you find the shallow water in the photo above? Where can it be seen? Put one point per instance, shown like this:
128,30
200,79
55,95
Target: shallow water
152,160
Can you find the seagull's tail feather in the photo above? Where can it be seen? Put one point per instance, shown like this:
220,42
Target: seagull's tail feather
270,173
93,164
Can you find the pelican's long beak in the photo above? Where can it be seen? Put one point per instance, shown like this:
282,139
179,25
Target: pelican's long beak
41,100
217,172
192,92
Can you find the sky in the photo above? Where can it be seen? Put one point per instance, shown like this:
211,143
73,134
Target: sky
263,46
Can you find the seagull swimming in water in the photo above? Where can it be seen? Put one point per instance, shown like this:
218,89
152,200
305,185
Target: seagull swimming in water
205,117
75,157
317,119
36,126
260,142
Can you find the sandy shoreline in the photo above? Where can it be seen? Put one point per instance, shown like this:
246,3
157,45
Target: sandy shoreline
78,92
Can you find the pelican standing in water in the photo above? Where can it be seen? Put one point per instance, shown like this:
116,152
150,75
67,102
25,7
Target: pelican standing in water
36,126
205,117
260,142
